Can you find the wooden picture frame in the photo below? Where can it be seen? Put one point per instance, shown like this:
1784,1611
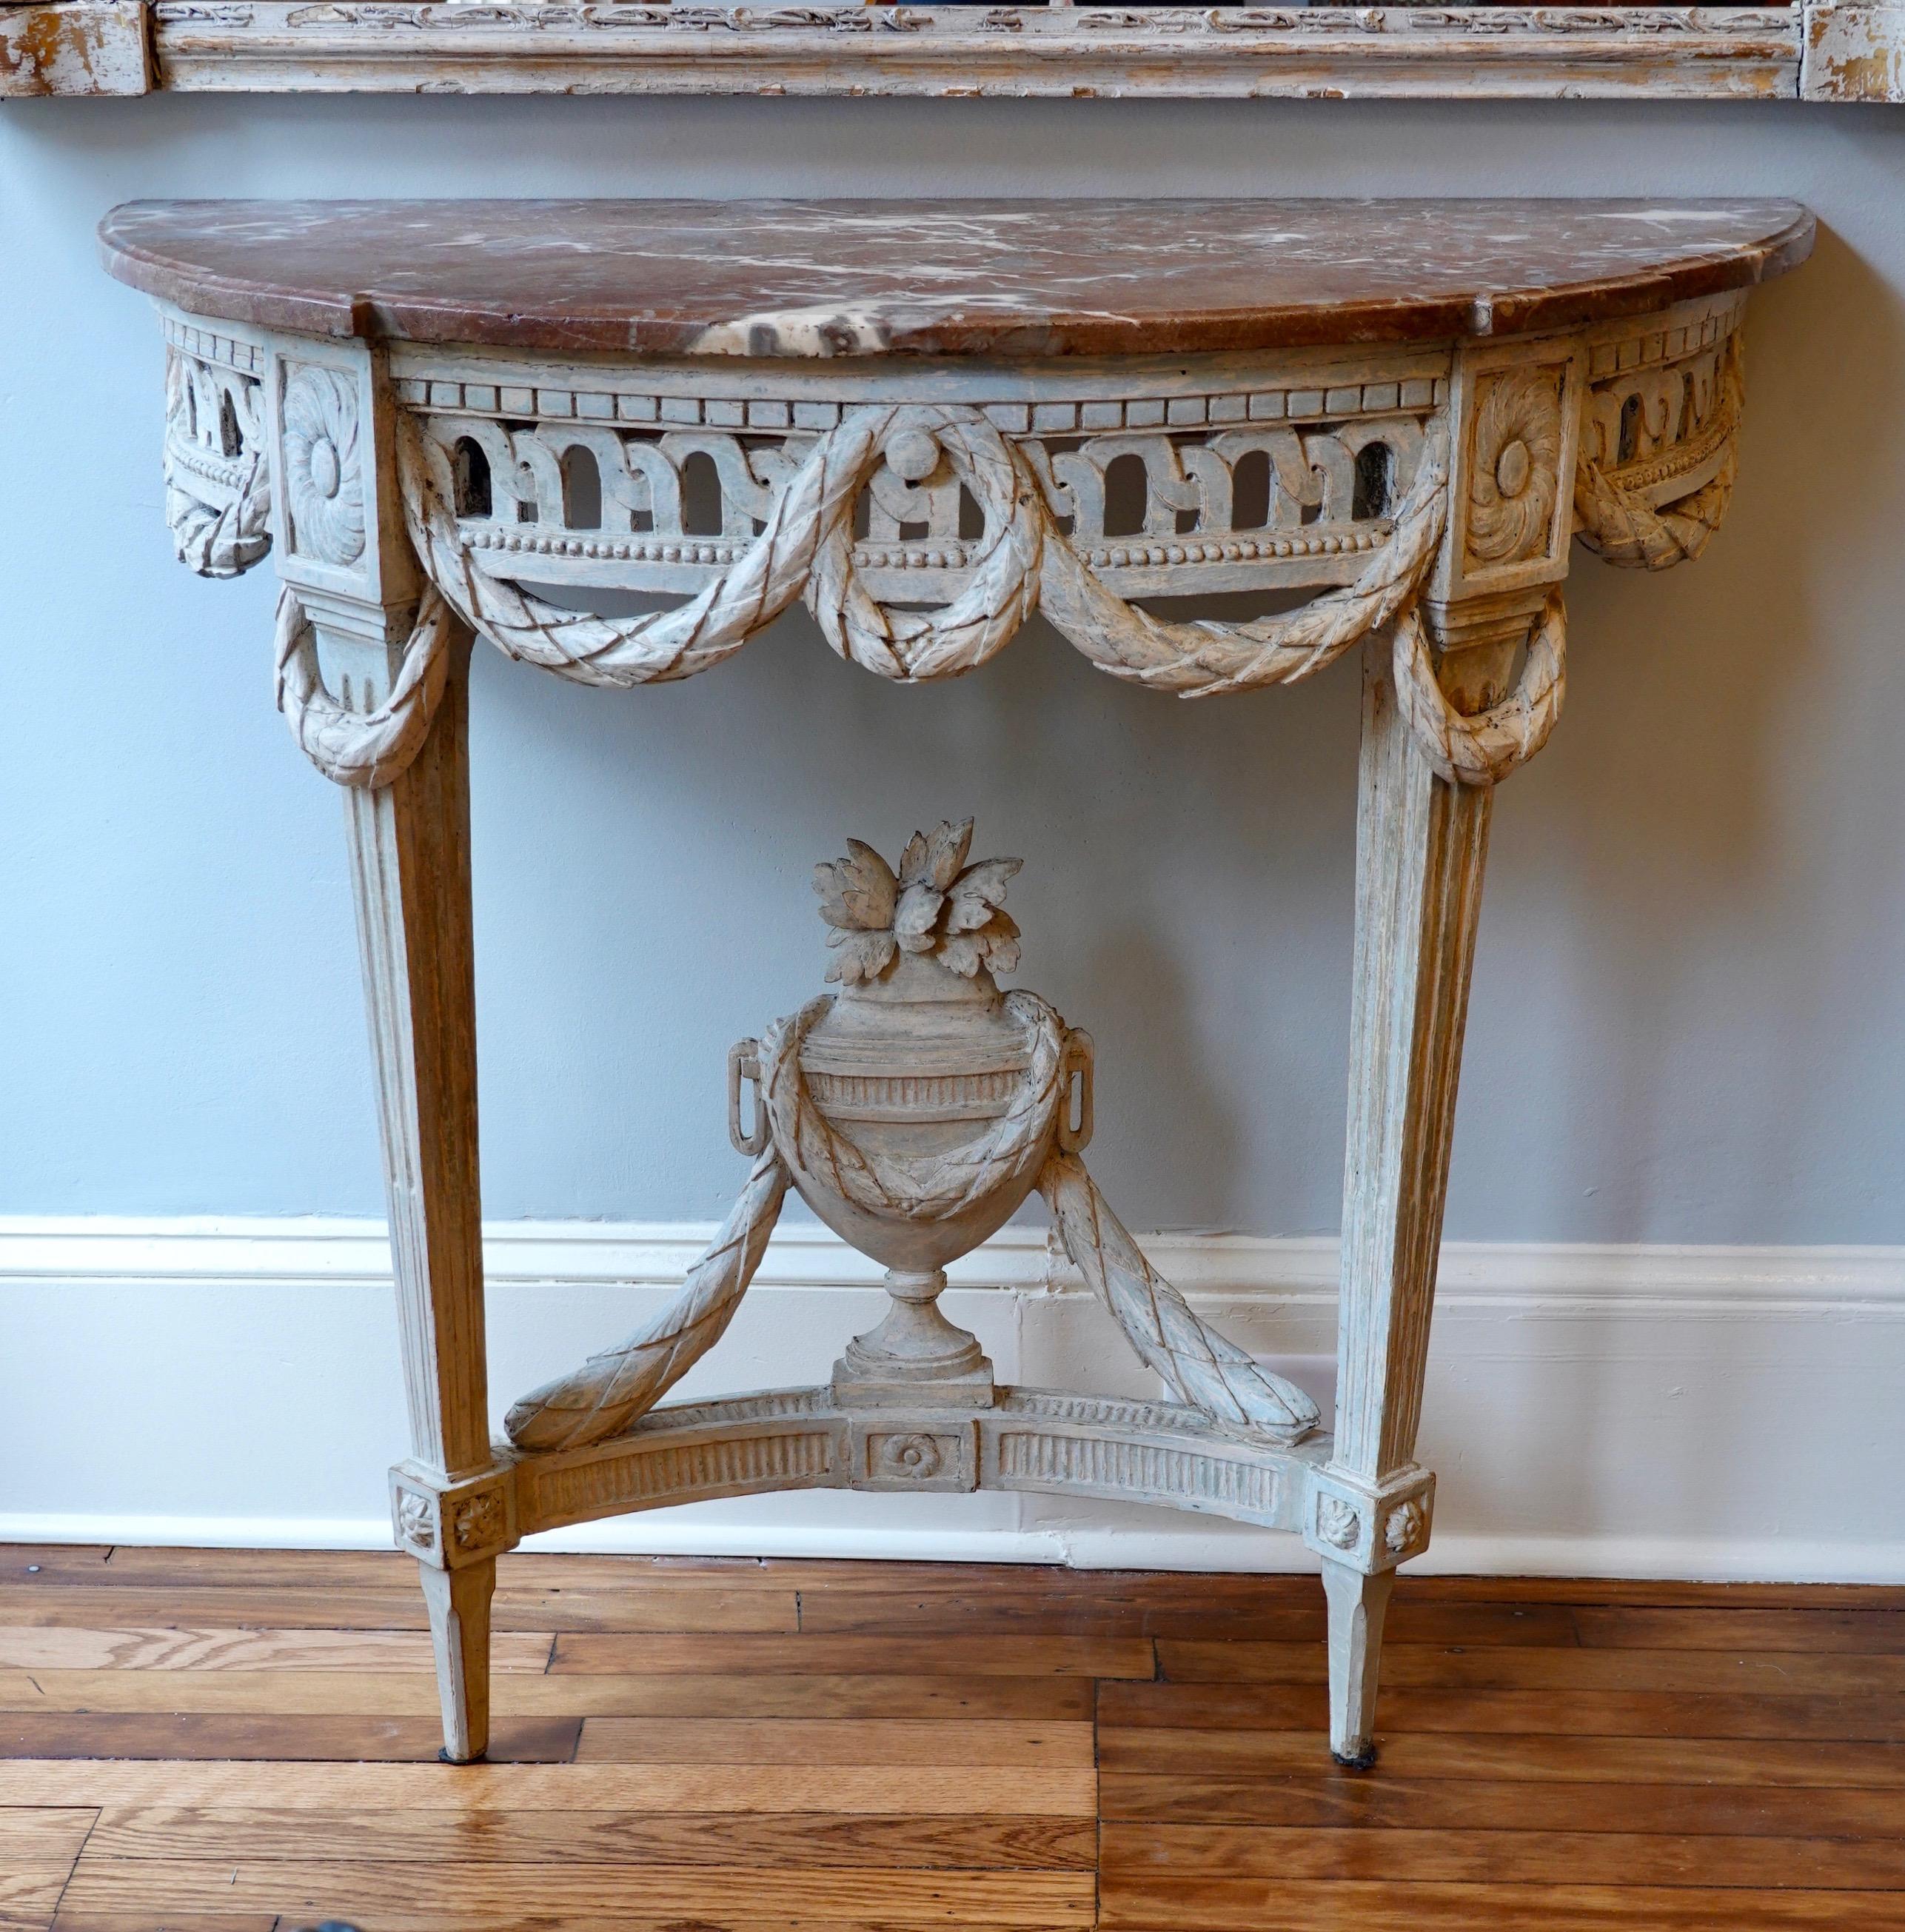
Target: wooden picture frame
1822,50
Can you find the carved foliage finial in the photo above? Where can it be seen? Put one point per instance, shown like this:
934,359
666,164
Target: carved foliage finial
936,905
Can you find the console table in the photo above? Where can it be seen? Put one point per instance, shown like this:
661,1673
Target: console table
928,420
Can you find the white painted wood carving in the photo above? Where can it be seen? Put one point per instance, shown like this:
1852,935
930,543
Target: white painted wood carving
423,485
1818,50
1854,50
1062,51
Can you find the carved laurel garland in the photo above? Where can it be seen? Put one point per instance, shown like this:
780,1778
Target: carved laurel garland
1482,749
1623,528
1199,1365
1202,658
905,646
214,540
615,1388
934,1189
222,542
367,748
805,549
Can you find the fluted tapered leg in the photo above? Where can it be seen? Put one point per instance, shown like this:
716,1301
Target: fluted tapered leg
1421,841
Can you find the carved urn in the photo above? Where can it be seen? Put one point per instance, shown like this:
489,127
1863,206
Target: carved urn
915,1111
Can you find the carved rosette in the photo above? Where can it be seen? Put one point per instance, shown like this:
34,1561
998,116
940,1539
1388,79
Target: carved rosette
323,475
416,1521
1369,1527
449,1525
912,1458
1405,1528
1338,1523
1514,473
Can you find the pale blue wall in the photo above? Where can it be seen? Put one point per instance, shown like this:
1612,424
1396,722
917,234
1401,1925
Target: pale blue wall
1689,1013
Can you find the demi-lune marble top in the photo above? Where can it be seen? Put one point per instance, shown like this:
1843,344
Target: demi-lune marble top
1001,278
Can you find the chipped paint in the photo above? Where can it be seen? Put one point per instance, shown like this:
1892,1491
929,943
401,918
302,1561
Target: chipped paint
1854,52
99,47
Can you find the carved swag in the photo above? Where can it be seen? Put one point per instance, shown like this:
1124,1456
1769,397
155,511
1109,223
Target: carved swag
919,501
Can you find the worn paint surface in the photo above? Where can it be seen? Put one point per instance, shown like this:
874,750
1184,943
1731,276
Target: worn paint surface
94,49
1854,52
1320,52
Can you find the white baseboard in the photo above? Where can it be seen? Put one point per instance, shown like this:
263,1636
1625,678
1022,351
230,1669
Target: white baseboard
1716,1413
295,1250
1190,1545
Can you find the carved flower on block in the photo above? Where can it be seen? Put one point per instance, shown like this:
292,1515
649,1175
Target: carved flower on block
1337,1521
415,1520
1517,455
478,1520
935,905
914,1458
323,479
1403,1530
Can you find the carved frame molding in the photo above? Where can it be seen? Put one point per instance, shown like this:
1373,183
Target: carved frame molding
1814,50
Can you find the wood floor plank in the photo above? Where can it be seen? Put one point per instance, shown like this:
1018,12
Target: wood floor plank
1385,1803
1032,1613
186,1569
794,1741
71,1921
1571,1760
38,1847
1004,1656
332,1569
43,1833
1551,1713
1044,1790
654,1607
1640,1628
1272,1590
1512,1667
1400,1905
498,1898
599,1837
28,1563
37,1647
619,1922
413,1693
787,1746
239,1735
1192,1853
29,1896
1659,1594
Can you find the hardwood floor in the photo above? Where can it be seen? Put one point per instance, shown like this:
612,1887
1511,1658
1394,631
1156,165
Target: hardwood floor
207,1740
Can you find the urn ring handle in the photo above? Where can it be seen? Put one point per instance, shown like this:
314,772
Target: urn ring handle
1075,1113
743,1065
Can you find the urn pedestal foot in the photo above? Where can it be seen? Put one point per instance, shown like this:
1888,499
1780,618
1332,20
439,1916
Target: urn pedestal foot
916,1354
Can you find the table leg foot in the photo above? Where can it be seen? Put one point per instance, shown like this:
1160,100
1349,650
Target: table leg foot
459,1604
1357,1605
